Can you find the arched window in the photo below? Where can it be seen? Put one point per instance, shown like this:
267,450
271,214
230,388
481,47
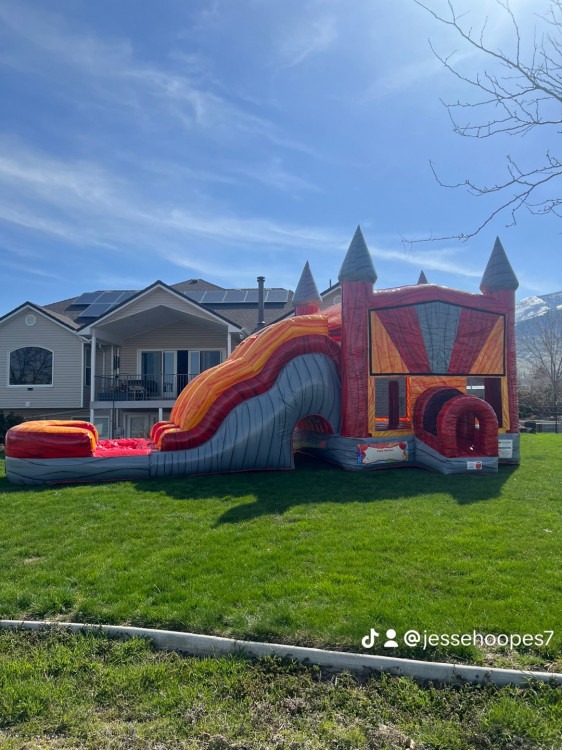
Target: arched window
31,365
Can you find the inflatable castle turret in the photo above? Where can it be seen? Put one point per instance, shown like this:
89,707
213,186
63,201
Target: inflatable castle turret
306,298
500,283
357,276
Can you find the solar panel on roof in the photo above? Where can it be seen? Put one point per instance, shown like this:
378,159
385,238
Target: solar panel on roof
87,298
96,310
196,296
125,296
238,296
213,298
277,295
235,295
110,297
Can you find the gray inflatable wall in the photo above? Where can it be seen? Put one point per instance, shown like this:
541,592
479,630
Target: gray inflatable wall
257,434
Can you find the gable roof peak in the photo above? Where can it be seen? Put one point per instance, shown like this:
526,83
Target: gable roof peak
358,264
498,274
306,291
55,317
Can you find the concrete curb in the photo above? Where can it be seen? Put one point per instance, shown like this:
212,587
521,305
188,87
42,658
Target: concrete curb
333,661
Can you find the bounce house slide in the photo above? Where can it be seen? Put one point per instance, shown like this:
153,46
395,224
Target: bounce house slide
251,370
378,380
237,416
256,434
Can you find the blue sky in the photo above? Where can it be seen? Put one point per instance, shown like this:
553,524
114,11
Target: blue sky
225,140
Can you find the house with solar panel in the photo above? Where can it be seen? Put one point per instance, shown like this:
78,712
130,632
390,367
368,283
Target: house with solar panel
383,378
120,358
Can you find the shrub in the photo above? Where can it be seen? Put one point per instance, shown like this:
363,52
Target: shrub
7,421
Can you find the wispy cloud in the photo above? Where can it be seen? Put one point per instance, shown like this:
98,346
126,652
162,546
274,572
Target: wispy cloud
273,174
110,71
26,218
92,205
29,269
445,260
403,77
52,178
309,38
488,19
46,34
530,284
237,230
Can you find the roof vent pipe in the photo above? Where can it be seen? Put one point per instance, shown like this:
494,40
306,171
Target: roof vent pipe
261,313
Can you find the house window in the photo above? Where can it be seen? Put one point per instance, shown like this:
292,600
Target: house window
199,361
87,366
31,365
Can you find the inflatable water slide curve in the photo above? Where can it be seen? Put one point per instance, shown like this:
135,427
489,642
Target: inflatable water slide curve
251,370
238,415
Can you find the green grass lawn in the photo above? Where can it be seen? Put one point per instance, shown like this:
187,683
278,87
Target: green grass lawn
315,557
59,691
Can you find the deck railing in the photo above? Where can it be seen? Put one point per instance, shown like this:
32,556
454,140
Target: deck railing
127,387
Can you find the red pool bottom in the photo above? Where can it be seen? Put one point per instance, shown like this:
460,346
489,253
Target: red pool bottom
124,447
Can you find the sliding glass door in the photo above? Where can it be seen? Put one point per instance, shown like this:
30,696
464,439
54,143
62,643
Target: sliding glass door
199,361
166,373
158,369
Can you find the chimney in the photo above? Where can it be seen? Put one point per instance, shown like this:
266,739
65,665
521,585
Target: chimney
261,314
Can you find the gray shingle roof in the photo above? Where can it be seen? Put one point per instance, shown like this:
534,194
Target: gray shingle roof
243,316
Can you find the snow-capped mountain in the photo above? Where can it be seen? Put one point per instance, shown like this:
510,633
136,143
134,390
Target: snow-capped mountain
532,307
528,315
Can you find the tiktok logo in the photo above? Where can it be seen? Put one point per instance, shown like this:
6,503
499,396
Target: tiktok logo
369,640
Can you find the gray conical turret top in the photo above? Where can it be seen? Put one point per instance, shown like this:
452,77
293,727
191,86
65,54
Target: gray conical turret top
423,279
358,264
499,274
306,292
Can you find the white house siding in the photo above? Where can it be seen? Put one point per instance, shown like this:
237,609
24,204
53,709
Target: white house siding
154,299
332,298
176,336
66,391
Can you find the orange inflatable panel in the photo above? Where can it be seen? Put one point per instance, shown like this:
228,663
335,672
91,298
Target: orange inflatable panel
247,361
51,439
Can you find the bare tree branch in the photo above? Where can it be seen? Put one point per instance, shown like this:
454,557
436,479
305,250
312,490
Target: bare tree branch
522,92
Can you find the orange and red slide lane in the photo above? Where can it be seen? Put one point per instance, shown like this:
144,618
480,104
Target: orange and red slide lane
251,369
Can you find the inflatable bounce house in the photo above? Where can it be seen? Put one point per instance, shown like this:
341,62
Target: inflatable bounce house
386,378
